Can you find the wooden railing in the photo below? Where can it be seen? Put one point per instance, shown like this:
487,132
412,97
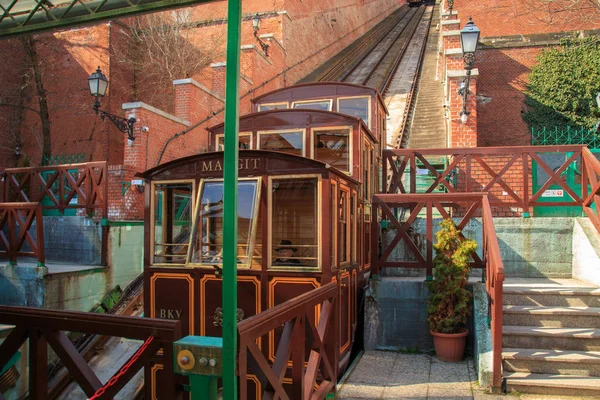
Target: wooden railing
494,281
16,220
502,172
66,186
590,177
311,347
48,327
59,184
420,247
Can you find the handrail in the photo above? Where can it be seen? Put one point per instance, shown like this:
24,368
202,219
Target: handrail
47,327
18,218
56,183
469,206
505,173
300,336
590,176
494,281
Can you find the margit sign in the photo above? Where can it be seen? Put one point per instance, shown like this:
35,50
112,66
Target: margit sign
243,164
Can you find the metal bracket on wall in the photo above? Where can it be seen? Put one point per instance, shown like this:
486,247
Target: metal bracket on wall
125,187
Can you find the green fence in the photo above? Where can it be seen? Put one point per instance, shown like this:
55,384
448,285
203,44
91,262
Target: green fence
562,136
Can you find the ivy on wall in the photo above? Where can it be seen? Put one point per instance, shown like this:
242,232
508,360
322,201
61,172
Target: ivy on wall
563,86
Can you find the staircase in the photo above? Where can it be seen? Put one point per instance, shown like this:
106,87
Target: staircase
551,337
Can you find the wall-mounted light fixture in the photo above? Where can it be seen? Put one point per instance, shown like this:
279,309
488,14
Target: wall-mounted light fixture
598,102
256,26
450,5
98,85
469,37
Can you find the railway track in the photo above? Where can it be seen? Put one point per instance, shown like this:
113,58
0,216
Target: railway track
375,59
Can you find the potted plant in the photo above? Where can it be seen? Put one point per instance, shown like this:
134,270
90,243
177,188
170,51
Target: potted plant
449,302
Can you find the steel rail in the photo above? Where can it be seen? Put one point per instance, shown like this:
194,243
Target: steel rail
383,88
400,40
365,55
364,47
400,142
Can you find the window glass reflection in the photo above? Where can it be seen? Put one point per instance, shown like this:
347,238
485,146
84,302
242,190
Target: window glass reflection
172,222
332,146
269,107
286,142
356,107
208,240
294,221
323,105
243,142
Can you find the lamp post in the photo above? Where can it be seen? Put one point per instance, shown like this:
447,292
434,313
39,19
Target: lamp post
98,85
469,37
450,6
256,26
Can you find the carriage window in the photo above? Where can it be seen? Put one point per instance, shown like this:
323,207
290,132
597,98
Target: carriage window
208,235
272,106
323,105
356,107
344,231
294,221
291,142
244,141
172,216
332,146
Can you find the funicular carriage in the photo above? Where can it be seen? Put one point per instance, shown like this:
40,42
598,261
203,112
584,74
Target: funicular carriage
308,166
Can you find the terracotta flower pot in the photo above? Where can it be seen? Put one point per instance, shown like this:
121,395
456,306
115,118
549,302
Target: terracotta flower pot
450,346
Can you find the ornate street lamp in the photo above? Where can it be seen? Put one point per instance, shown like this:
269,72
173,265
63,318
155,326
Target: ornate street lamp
98,85
450,5
469,37
256,27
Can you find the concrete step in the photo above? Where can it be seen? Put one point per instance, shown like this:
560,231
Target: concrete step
557,385
541,361
552,296
552,317
529,337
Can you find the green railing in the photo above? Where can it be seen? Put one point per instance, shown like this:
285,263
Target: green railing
562,136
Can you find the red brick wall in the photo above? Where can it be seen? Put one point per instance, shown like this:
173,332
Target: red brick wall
504,76
510,17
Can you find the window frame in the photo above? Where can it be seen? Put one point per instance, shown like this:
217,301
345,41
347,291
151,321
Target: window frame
276,103
153,220
251,239
279,131
340,209
350,146
269,247
369,105
328,100
222,135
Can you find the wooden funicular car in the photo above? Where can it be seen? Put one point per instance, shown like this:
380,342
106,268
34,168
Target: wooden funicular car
307,169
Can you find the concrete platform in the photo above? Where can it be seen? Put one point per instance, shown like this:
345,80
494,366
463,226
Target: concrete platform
393,375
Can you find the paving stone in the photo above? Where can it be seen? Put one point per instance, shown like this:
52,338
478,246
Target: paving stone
449,393
405,392
360,391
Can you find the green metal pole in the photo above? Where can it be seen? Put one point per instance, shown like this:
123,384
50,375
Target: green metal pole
230,199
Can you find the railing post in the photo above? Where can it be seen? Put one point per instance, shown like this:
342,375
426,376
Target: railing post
11,223
39,226
374,238
38,366
526,207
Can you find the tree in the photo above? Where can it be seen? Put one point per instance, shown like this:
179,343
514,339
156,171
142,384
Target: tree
551,12
168,47
563,86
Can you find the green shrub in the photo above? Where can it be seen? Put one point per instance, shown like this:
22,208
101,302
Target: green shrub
449,302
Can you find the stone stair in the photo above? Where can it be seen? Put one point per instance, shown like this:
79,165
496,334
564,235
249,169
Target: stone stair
551,337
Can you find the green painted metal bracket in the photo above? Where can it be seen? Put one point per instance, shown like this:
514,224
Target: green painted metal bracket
25,16
125,187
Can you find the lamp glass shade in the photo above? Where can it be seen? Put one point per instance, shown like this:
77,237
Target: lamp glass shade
469,37
256,22
98,83
598,99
